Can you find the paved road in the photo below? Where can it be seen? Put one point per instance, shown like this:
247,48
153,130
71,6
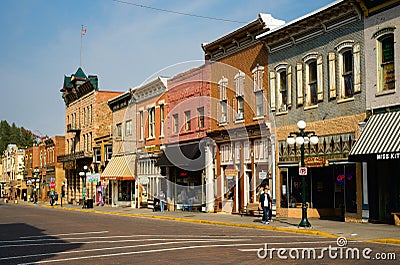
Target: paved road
37,235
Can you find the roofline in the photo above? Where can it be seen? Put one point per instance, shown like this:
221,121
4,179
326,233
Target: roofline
299,19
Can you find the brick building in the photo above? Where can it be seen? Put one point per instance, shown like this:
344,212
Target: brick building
187,122
87,117
240,124
53,174
315,74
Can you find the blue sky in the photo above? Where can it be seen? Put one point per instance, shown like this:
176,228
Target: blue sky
124,45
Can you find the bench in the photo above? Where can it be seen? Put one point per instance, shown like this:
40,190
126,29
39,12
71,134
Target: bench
396,216
250,209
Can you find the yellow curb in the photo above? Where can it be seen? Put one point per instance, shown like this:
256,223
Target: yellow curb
209,222
385,241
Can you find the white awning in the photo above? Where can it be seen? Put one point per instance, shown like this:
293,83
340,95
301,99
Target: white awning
121,167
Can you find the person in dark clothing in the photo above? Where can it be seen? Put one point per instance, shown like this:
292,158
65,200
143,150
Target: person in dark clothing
265,205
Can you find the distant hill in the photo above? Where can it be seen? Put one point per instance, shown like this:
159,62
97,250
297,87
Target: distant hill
15,135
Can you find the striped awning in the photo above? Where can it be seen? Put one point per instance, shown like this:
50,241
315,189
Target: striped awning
379,140
121,167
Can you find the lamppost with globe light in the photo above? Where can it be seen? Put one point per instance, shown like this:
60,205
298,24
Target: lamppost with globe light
36,172
83,174
301,138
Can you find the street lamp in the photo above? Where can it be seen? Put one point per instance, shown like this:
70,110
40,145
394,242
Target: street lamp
301,138
83,175
36,172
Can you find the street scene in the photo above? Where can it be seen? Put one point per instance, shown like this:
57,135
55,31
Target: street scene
136,237
279,142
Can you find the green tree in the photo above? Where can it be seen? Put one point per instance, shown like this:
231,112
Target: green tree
14,135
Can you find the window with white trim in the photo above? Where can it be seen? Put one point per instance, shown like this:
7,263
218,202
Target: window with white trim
224,111
107,152
118,130
176,123
141,125
161,120
200,117
128,128
151,122
258,89
222,84
187,121
239,84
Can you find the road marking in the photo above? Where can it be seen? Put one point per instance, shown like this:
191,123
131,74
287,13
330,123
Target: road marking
111,241
137,252
109,248
81,233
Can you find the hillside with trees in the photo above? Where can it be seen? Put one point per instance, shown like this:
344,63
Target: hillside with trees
14,135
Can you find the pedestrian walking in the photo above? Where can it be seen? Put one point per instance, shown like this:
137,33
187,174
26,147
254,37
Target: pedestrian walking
265,204
162,200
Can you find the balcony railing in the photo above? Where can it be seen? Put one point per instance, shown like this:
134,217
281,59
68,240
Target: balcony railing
71,128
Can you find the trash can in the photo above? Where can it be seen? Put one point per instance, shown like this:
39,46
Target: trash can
89,203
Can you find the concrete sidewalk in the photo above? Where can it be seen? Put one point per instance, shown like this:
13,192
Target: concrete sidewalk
381,233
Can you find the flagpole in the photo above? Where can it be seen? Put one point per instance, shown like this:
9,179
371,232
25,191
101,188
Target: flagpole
80,54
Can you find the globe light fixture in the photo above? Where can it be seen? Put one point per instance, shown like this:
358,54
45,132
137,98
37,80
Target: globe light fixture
302,138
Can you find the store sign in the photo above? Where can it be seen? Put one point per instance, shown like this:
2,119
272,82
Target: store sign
144,180
262,175
231,172
388,156
316,162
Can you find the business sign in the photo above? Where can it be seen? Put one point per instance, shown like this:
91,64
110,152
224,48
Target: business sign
231,172
144,180
388,156
262,175
316,162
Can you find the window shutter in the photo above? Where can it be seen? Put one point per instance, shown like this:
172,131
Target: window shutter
233,109
320,77
332,75
272,87
289,86
357,67
299,81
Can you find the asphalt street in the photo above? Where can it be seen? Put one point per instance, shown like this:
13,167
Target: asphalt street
54,235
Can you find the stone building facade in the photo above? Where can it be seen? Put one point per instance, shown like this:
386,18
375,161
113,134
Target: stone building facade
87,117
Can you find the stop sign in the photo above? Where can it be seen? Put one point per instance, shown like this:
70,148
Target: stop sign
52,184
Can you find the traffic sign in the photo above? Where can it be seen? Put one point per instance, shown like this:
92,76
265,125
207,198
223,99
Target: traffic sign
302,171
52,184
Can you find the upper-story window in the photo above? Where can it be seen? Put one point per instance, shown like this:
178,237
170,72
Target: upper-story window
141,125
151,122
239,88
107,152
239,84
161,120
119,130
312,92
176,123
386,64
223,104
258,89
349,70
200,117
187,121
128,128
222,84
97,155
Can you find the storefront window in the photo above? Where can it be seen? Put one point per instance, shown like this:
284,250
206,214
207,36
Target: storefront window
125,190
